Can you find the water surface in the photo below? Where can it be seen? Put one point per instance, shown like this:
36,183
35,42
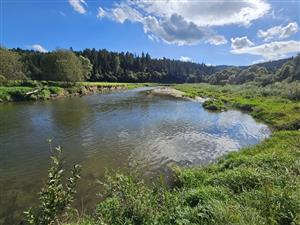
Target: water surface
123,130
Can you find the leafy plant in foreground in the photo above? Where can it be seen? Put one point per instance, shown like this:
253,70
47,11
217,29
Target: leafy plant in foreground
57,194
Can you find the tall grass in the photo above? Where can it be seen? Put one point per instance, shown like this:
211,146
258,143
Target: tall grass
276,104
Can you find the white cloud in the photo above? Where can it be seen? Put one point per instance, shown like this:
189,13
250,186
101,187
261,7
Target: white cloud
270,51
279,32
205,13
101,12
153,37
186,22
120,13
78,5
185,59
217,40
38,48
176,30
240,42
260,61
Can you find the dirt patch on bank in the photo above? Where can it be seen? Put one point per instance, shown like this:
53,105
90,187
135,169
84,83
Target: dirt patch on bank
176,93
168,91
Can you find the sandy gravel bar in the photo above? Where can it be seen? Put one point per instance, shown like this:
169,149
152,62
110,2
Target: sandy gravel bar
178,94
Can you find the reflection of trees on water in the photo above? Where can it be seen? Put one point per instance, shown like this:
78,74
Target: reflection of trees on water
70,113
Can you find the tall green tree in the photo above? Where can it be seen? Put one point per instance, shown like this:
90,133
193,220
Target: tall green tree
63,65
11,66
86,67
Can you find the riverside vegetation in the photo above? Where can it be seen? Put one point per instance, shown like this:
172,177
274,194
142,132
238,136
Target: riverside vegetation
257,185
24,90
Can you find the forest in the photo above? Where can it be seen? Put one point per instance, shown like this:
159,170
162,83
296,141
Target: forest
102,65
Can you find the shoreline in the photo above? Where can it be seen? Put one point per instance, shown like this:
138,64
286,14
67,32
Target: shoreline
165,90
40,91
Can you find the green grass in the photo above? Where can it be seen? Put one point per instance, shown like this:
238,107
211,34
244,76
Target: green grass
13,93
277,111
214,105
103,84
15,90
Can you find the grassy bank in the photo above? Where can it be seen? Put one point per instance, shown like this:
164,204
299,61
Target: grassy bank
43,90
276,105
257,185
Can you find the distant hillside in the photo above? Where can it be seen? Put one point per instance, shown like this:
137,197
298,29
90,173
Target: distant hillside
274,65
261,74
271,66
221,67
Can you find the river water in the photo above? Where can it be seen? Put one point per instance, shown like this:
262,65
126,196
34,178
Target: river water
124,130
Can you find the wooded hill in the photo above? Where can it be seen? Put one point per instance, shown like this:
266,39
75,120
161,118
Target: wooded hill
103,65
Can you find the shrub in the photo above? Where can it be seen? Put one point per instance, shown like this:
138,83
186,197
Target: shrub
56,90
30,83
57,195
44,94
214,105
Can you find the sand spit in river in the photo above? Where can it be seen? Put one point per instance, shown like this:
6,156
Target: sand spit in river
176,93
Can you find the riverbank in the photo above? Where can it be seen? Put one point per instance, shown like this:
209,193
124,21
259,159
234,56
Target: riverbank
267,104
177,94
257,185
44,90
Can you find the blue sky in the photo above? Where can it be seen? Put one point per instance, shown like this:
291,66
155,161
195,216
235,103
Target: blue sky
214,32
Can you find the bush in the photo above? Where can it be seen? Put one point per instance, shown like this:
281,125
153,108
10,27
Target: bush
13,83
57,195
214,105
56,90
44,94
30,83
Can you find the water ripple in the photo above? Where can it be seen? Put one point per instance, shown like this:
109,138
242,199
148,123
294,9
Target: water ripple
121,131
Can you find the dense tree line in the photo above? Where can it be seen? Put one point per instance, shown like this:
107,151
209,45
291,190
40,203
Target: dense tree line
127,67
60,65
103,65
261,74
11,66
273,66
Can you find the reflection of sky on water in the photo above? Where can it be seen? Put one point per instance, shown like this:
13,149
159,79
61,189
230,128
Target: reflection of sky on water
122,130
152,129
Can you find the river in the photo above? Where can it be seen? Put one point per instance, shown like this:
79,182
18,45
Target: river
123,130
